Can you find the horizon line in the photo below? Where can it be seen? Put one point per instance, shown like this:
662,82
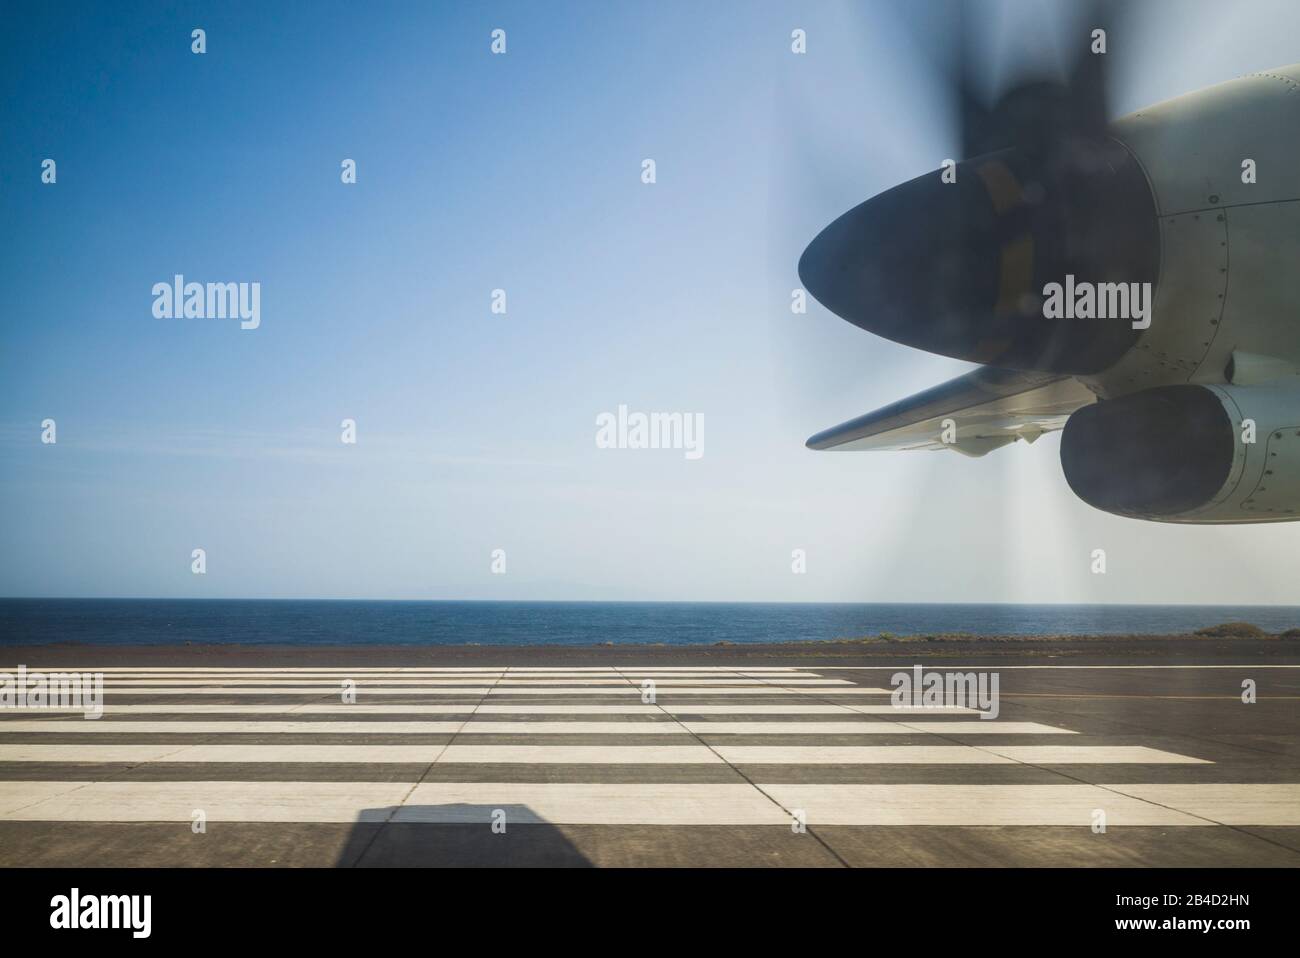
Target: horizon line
808,602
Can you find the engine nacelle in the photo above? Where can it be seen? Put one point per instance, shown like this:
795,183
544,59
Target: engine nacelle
1188,453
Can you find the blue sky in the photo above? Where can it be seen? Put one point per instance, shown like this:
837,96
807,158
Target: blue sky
475,430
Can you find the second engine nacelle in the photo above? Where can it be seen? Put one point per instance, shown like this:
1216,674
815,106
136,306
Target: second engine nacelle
1189,453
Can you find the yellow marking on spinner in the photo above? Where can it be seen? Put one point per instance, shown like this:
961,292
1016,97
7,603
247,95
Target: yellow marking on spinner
1002,185
1017,272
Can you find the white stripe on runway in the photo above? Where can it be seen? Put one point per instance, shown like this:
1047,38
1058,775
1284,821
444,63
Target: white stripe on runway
950,755
1073,755
321,674
106,726
1005,668
369,682
650,804
220,801
620,728
725,690
366,754
977,727
1277,804
654,804
600,754
731,708
985,805
513,690
452,708
525,803
468,692
432,671
351,728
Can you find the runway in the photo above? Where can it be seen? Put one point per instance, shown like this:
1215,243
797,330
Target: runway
803,764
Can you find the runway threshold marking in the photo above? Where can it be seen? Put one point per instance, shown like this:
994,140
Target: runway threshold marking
728,692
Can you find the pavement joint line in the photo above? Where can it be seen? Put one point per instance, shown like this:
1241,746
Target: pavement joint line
752,784
130,767
295,706
122,773
1116,790
401,803
77,786
1113,790
1240,829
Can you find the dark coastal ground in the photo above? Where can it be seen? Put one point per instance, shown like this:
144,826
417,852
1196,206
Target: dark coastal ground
872,650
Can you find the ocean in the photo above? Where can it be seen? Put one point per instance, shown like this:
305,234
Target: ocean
354,622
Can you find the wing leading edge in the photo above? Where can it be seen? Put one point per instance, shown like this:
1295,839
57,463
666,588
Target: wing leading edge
990,407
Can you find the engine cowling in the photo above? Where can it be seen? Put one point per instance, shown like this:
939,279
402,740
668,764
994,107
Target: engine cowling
1189,453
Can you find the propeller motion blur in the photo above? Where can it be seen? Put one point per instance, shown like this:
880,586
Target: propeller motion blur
1135,282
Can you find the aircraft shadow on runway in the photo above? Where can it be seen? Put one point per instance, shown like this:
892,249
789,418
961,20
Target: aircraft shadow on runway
458,836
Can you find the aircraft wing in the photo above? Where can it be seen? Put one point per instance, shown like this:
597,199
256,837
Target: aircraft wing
989,407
